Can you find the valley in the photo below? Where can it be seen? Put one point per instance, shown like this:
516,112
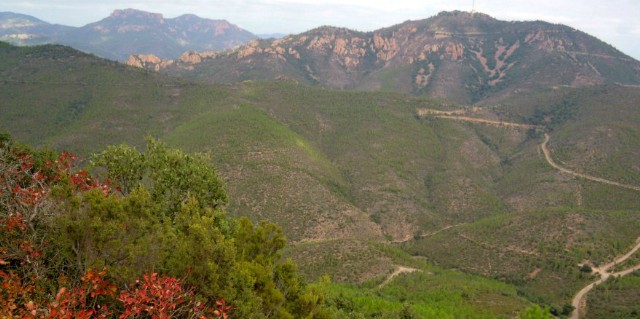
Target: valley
579,300
452,167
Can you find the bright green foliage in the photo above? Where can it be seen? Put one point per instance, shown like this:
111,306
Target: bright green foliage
535,312
261,243
276,283
198,246
169,219
170,174
124,165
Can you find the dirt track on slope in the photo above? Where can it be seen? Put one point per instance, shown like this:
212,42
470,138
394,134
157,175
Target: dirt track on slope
399,270
483,121
427,234
579,300
452,115
547,156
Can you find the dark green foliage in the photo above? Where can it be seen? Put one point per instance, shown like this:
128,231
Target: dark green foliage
122,234
555,115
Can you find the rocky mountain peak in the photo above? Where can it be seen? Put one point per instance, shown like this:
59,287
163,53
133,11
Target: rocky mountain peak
463,56
464,15
136,14
187,17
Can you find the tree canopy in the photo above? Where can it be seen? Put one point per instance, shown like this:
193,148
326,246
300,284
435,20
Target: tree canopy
134,221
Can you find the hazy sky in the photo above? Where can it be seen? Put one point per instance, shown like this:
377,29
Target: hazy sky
615,21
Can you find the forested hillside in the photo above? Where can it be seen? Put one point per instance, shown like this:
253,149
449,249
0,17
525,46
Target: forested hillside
414,206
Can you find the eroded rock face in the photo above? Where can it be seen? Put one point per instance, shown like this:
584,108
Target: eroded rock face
148,61
197,57
386,48
424,75
450,55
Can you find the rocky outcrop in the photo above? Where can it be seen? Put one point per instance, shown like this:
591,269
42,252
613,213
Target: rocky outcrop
191,57
148,61
153,62
386,48
454,55
424,75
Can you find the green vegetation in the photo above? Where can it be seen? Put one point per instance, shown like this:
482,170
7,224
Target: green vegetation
616,298
355,180
426,294
536,312
161,213
538,252
594,130
167,220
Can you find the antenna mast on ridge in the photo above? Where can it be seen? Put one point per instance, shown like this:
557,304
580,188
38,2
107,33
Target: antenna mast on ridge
473,7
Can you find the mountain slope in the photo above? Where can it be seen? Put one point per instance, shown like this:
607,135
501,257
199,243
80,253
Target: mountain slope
335,158
99,102
129,31
24,30
537,251
465,57
347,173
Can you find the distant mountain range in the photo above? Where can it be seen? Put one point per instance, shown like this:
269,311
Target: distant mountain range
462,56
465,57
127,31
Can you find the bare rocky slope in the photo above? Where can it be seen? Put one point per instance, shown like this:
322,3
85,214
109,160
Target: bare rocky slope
465,57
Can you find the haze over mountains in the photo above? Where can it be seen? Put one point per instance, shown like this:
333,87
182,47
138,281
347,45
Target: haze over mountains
128,31
425,137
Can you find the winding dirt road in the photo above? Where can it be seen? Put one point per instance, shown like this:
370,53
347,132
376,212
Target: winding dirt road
427,234
579,300
458,115
547,156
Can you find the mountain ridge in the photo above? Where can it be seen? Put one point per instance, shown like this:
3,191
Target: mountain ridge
127,31
462,56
